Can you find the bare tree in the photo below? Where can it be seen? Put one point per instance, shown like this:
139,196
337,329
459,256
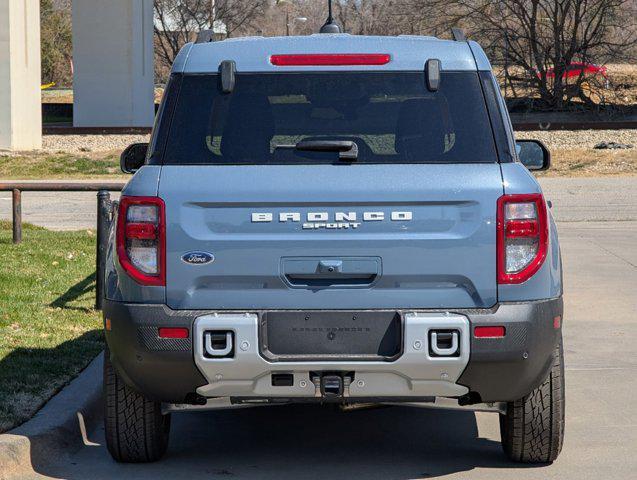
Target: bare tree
533,42
178,21
543,39
374,17
56,43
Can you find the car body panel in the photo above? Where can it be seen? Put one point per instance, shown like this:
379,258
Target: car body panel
144,183
482,62
443,257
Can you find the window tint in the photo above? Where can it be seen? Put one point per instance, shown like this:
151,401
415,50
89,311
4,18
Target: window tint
391,117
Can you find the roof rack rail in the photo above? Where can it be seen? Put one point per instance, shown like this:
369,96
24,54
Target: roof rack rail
205,36
458,34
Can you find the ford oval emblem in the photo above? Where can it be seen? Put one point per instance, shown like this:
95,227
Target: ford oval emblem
198,258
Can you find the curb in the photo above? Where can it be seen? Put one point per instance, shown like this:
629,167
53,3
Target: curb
58,428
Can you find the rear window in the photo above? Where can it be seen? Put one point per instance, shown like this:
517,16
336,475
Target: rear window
391,116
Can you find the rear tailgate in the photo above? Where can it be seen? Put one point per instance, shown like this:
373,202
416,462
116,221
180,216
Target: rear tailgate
396,236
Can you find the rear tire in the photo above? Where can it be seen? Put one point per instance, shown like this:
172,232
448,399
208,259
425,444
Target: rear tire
136,431
533,428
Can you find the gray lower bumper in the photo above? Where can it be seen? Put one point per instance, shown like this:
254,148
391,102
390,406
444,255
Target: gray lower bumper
491,370
414,374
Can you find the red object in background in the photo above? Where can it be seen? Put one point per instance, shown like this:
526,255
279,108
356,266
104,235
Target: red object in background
575,69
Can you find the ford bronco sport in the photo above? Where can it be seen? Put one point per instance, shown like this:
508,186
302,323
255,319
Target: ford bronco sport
333,219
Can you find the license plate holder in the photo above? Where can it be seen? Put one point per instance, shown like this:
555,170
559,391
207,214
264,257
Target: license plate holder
289,336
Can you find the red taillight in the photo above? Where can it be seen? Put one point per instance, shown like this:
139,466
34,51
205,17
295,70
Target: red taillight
489,332
329,59
522,237
141,239
142,231
173,332
521,228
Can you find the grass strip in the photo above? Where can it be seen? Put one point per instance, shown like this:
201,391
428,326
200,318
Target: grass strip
49,330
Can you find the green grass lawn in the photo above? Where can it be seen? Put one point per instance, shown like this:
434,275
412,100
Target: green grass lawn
48,329
59,165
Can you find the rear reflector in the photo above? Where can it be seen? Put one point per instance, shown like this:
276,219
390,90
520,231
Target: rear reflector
330,59
173,332
489,332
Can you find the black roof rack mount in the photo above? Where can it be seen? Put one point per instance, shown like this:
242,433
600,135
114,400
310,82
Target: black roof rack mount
205,36
458,34
227,70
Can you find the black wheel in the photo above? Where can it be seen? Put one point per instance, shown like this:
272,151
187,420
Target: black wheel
533,428
136,431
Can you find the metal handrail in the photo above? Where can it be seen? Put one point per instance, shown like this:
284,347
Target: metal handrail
104,215
55,186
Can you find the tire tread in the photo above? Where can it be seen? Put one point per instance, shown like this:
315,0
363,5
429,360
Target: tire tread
136,431
533,428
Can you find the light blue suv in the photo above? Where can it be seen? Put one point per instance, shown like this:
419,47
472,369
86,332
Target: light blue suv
333,218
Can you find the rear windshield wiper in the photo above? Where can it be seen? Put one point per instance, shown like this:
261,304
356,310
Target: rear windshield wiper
347,150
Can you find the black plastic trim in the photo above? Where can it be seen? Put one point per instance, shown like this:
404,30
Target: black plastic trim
508,368
498,127
227,75
161,369
163,120
458,34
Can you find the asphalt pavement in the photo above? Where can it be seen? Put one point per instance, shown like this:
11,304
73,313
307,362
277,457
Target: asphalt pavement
597,223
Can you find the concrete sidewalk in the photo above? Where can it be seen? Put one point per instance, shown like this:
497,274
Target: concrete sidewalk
592,199
56,430
574,199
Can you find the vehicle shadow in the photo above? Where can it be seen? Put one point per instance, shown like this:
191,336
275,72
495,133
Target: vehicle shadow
294,442
80,288
29,377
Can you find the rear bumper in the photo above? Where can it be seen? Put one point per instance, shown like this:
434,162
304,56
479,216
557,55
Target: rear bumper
174,370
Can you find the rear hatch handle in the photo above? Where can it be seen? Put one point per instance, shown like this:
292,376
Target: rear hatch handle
312,272
331,266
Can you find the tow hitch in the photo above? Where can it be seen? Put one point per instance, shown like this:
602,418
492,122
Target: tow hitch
331,385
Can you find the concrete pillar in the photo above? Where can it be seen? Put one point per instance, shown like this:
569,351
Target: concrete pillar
20,103
113,63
